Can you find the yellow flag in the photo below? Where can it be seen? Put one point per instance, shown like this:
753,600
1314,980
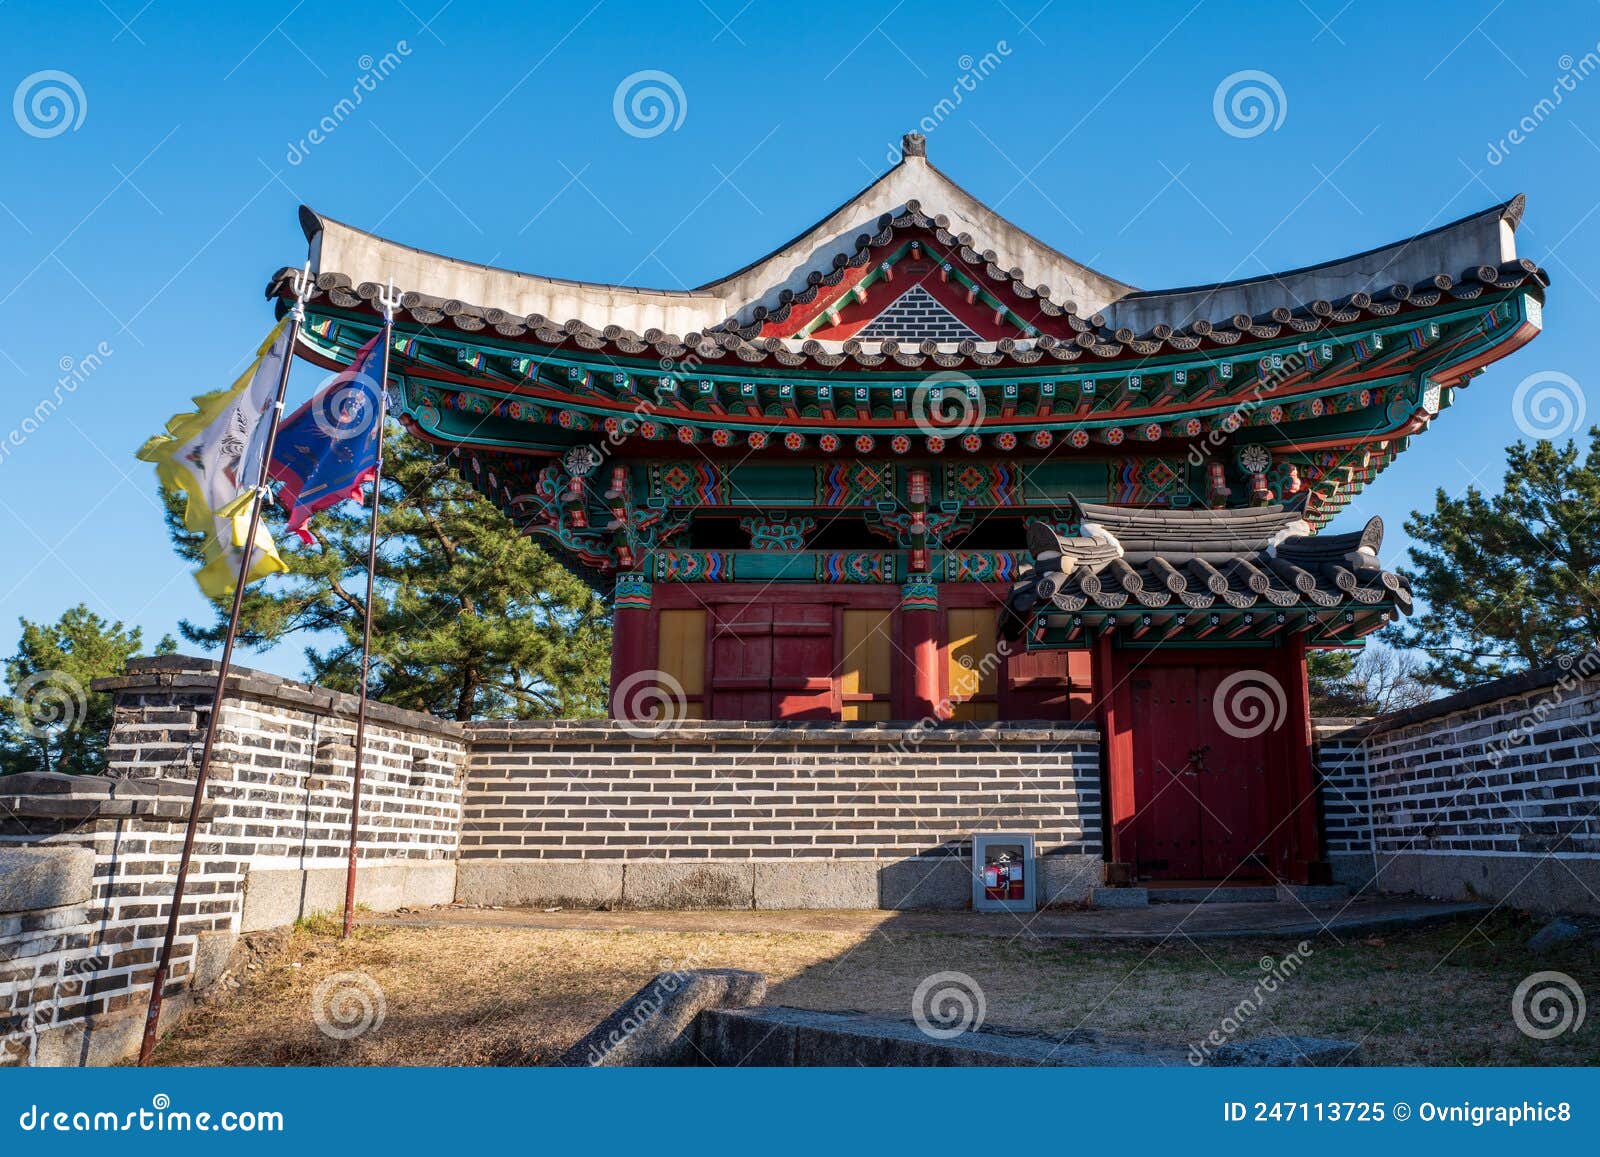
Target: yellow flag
213,454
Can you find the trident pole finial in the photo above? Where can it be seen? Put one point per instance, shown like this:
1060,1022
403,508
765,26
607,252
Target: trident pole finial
389,301
303,285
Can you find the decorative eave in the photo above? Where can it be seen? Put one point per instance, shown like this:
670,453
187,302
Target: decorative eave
1299,386
1172,575
1332,413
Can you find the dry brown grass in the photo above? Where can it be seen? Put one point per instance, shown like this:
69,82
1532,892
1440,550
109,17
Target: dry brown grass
467,995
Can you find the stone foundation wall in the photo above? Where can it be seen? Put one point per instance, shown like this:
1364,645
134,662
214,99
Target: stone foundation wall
794,816
75,972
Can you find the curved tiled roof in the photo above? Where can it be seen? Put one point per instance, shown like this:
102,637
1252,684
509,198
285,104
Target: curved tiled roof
1197,560
1079,312
1472,253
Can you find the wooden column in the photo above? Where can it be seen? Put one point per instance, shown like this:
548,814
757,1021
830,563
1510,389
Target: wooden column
1307,863
1116,758
632,644
919,635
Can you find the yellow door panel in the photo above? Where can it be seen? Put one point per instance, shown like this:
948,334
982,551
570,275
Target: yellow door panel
681,653
973,665
867,667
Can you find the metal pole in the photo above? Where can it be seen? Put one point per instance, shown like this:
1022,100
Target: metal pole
388,301
152,1017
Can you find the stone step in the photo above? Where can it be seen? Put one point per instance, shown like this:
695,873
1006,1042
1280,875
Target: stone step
1295,894
1120,897
1215,894
1312,893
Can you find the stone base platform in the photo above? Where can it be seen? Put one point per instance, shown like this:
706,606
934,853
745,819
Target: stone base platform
932,882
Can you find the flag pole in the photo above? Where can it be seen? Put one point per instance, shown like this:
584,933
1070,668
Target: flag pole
387,301
152,1019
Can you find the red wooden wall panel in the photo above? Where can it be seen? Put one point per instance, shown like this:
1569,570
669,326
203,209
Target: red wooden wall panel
778,652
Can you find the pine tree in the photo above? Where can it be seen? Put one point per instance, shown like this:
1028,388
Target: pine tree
50,720
1510,581
1328,679
471,619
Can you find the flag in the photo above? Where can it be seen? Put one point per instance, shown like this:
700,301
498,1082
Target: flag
213,455
327,450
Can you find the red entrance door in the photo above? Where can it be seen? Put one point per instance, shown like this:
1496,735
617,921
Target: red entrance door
1235,820
1199,792
772,661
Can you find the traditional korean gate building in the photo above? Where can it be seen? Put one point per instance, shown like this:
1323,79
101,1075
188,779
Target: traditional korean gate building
915,464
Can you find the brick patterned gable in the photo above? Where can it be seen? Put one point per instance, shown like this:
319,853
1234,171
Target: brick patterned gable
916,315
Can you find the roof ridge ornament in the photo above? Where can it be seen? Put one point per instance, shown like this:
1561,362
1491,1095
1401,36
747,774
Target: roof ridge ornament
913,145
1299,528
1093,549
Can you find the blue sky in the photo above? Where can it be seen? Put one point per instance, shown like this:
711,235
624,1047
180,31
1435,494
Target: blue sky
149,228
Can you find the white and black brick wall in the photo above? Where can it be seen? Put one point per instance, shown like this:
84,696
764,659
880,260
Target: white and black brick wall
599,790
1492,793
271,846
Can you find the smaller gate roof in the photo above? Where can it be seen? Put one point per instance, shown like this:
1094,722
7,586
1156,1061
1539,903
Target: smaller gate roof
1201,574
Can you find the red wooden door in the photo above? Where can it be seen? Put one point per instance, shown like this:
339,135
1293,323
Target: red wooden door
741,662
802,662
773,661
1166,823
1201,793
1233,791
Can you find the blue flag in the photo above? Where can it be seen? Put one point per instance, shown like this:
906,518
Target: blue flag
327,450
